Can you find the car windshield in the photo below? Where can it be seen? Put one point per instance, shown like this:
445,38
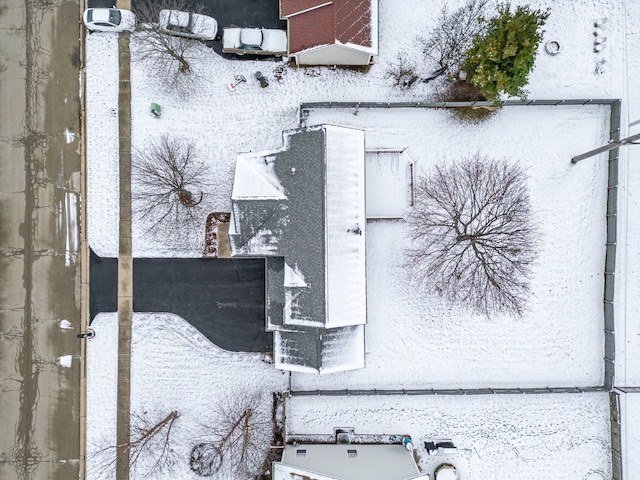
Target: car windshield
114,16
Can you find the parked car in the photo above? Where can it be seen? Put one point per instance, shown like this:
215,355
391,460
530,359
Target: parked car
109,20
188,24
256,41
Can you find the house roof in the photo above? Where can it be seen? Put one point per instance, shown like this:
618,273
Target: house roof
304,207
348,462
313,23
320,350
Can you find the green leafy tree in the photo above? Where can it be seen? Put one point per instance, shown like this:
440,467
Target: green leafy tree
500,60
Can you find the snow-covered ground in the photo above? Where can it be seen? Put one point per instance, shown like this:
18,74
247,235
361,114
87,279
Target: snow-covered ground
173,367
102,144
558,343
506,436
253,118
414,340
630,424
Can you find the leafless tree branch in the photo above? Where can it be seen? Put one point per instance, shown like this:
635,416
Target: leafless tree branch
150,449
169,182
447,45
402,72
473,237
239,439
167,55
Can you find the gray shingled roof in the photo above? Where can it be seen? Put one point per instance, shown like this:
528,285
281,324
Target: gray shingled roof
278,211
261,221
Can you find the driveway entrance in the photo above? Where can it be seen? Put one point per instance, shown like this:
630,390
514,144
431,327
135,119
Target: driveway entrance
224,298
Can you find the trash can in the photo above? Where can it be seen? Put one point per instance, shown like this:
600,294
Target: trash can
156,110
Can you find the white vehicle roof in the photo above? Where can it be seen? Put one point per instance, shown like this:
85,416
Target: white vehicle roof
188,24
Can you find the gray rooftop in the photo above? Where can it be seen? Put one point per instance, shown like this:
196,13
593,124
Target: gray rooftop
279,205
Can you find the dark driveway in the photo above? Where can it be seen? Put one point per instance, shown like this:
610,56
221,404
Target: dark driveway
103,285
228,13
237,13
223,298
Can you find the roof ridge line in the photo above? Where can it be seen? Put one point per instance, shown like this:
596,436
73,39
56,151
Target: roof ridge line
309,9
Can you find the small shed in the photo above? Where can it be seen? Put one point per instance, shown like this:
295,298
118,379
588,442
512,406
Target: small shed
338,32
347,462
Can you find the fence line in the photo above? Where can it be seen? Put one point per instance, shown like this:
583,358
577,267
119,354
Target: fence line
609,268
552,102
610,253
609,290
616,436
447,391
612,189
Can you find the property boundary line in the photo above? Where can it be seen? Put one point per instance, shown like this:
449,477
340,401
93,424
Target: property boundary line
356,106
609,266
612,189
447,391
610,252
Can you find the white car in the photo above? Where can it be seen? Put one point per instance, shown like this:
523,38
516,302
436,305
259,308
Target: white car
255,41
188,24
109,20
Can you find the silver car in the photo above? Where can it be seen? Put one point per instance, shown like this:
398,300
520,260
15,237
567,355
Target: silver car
188,24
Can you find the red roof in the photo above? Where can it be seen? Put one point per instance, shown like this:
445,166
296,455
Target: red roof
321,22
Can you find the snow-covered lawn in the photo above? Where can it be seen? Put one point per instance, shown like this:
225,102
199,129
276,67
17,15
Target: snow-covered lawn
506,436
102,144
413,340
173,367
253,118
630,412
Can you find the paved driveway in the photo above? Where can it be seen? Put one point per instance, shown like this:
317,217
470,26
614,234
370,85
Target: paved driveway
237,13
228,13
224,298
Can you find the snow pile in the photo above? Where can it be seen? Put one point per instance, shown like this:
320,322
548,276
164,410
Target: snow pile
509,436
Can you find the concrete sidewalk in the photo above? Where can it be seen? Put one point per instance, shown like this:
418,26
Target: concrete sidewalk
125,264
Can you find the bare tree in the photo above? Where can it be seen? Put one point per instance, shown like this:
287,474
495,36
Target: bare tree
150,450
169,181
401,72
473,236
239,439
447,45
167,54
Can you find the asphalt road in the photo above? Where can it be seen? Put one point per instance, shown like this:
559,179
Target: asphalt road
39,269
224,298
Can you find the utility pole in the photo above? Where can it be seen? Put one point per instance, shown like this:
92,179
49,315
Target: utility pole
605,148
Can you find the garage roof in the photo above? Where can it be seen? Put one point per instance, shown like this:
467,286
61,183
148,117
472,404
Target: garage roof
315,22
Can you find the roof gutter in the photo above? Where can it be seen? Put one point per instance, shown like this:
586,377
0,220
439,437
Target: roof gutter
308,10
